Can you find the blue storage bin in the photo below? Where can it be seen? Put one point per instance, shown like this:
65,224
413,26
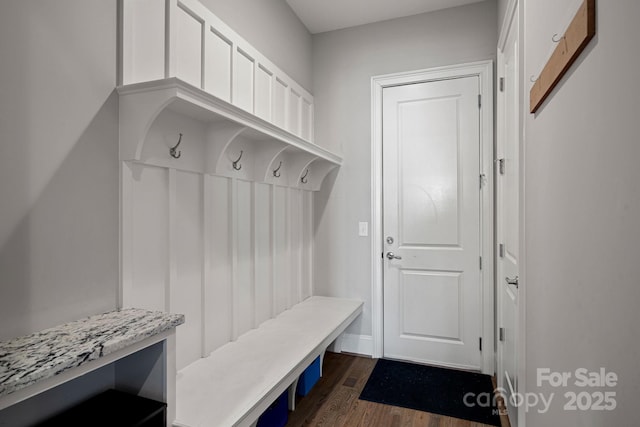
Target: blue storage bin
309,378
277,414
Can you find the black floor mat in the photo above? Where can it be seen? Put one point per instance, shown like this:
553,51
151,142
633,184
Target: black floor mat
449,392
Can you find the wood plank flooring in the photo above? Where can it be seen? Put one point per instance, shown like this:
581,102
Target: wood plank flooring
333,401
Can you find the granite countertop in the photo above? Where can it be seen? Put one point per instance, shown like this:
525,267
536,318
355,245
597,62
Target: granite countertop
26,360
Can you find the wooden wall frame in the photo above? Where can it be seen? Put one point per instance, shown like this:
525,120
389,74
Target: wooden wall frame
575,39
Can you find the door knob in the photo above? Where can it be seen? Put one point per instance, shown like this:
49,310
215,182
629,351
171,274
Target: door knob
513,281
390,255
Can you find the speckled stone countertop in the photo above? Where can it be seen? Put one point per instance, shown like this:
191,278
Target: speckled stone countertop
26,360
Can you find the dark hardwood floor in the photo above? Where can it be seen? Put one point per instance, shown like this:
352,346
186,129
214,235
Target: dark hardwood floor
333,401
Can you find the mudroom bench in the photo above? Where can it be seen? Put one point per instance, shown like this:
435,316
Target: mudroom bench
236,383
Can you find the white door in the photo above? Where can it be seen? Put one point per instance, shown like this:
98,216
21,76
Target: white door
431,224
507,232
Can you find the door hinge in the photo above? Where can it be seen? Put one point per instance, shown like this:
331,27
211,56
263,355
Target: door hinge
479,101
480,342
480,263
501,250
500,166
501,334
483,178
501,84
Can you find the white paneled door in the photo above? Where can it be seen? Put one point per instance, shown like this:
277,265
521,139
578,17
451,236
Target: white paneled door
432,223
507,212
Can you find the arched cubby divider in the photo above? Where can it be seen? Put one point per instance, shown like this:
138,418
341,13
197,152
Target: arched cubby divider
219,139
319,170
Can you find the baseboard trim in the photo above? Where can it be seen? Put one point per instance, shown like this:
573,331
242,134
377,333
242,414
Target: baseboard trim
353,343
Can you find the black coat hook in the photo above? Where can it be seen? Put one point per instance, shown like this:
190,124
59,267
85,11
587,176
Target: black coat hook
304,177
173,150
276,172
235,164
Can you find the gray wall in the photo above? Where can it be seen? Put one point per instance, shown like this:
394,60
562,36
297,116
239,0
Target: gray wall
272,28
58,162
344,62
502,9
582,213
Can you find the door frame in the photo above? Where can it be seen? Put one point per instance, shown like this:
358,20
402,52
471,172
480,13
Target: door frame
515,13
484,71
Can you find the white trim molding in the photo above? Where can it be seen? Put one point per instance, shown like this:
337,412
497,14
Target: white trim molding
515,16
507,21
353,343
484,71
357,344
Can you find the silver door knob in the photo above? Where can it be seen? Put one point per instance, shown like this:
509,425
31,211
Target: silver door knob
513,281
390,255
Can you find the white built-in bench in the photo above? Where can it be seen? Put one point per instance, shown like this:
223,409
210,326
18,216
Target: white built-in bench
237,382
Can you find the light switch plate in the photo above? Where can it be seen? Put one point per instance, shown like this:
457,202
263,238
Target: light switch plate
363,229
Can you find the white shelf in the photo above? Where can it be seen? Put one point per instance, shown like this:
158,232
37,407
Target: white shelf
228,127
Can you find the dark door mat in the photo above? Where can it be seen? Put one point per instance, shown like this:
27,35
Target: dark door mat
435,390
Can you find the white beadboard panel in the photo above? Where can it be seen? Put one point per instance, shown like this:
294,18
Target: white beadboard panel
187,254
218,60
189,47
184,39
243,277
295,244
143,33
279,112
150,240
306,120
217,292
243,71
282,261
262,251
307,245
229,253
294,112
126,233
264,88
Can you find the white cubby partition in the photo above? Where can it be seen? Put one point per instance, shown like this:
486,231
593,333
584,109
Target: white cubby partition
220,228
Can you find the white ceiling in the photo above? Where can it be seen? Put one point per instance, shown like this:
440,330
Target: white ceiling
327,15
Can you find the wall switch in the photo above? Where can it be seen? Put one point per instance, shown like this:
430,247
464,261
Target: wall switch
363,229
